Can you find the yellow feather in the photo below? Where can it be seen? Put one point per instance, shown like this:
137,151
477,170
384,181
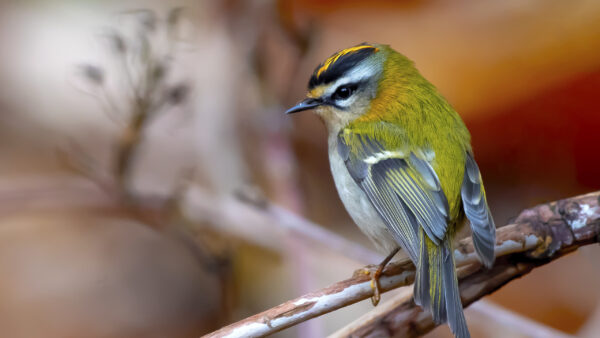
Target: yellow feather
332,59
317,91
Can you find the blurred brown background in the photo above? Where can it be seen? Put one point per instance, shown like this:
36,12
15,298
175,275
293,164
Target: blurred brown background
98,241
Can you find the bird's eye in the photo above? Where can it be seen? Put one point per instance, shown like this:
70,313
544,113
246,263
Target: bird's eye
344,92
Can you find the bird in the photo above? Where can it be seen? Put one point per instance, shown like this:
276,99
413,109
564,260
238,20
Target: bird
403,166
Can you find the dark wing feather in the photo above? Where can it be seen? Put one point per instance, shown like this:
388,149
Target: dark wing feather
478,213
404,189
402,176
394,212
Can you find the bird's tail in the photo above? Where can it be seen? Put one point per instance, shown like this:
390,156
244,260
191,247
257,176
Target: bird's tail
436,284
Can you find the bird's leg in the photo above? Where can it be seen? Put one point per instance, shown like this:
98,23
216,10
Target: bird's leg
375,276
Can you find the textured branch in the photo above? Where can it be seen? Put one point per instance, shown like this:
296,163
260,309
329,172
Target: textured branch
538,236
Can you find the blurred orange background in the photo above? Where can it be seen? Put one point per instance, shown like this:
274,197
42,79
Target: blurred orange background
525,77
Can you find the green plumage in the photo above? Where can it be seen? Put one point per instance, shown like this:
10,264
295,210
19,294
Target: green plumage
408,113
409,118
409,152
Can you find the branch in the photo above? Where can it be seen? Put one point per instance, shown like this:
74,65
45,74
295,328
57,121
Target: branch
538,236
262,223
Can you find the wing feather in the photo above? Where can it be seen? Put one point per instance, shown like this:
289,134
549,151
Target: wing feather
478,213
396,215
403,188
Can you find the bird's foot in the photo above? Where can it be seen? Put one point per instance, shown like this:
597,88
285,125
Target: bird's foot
375,272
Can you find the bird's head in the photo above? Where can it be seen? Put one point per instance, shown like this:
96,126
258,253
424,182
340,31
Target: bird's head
341,88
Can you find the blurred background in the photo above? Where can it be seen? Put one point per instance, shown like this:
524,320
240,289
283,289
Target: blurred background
149,179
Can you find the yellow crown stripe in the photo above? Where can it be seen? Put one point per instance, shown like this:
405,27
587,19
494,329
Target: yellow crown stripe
331,60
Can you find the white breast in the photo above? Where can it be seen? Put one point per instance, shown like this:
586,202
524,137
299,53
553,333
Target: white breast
357,203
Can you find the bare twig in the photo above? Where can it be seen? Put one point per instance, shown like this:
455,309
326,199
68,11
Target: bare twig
263,224
538,236
260,224
400,317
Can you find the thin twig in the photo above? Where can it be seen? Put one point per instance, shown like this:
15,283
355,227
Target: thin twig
423,322
538,236
263,224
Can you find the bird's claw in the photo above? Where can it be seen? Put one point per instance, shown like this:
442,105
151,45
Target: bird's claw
375,272
376,293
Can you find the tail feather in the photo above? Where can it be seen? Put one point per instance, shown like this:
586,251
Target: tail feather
421,289
454,308
436,285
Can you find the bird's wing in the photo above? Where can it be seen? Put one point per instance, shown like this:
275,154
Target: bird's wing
402,186
478,213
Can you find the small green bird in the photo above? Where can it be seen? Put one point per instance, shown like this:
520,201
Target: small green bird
402,163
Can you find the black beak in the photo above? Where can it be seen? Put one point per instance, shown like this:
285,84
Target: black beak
305,105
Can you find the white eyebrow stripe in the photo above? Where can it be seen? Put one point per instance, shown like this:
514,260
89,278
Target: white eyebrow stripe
359,73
